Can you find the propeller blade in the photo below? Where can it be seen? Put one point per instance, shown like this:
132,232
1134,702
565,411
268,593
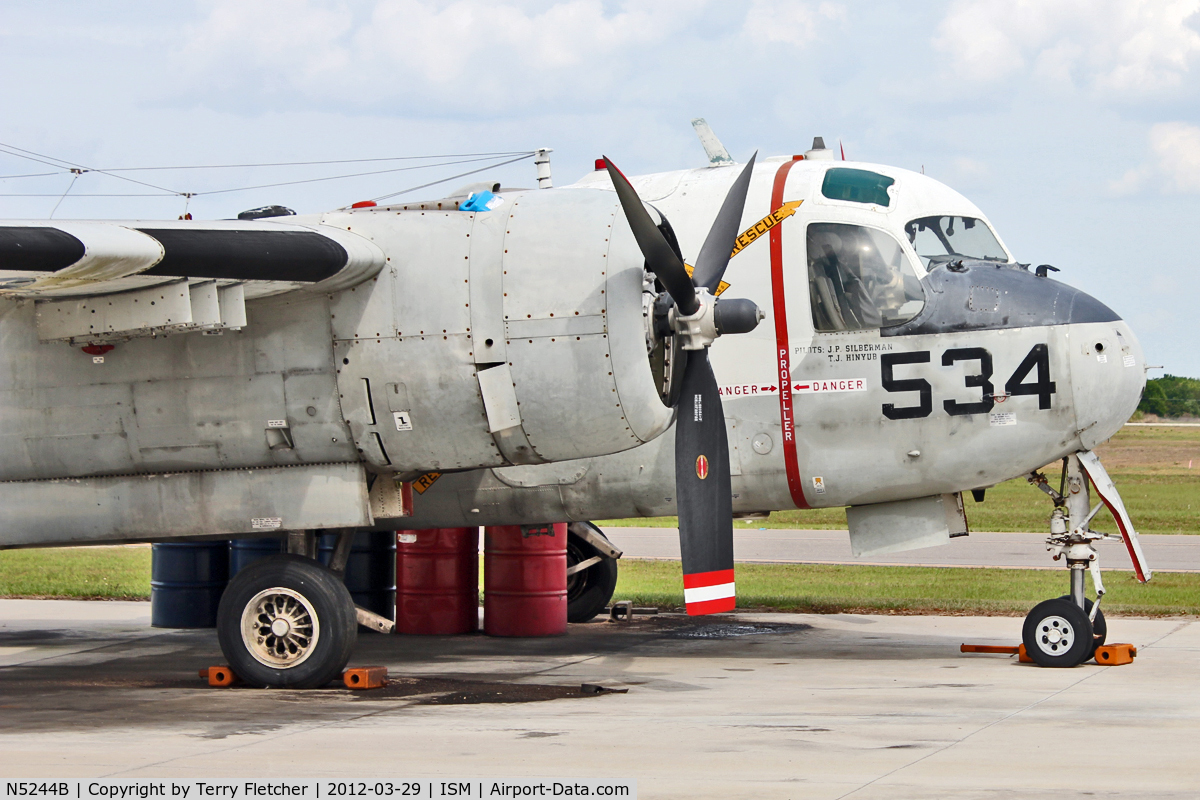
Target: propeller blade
722,236
703,491
659,256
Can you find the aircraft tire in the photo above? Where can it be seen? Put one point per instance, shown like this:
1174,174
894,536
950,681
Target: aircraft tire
1057,633
1099,626
287,622
589,591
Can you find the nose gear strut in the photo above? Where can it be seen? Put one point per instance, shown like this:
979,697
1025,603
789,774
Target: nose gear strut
1066,631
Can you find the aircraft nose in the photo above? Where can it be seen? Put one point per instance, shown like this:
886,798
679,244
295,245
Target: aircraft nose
1108,373
983,295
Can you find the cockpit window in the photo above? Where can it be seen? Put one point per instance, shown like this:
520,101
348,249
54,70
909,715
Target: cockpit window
857,186
939,239
859,279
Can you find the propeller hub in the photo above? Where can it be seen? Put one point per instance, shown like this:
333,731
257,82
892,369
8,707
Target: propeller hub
712,319
699,330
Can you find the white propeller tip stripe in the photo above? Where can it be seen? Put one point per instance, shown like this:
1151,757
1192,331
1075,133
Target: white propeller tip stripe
703,593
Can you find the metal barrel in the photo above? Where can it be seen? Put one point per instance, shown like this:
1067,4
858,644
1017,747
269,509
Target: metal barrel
525,580
244,552
437,581
186,582
370,570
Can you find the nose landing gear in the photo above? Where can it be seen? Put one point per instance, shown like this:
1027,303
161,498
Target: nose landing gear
1065,631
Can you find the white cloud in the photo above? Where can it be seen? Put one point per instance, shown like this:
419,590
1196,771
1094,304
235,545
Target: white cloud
478,57
970,170
1174,164
1176,145
1130,182
1126,46
471,56
793,23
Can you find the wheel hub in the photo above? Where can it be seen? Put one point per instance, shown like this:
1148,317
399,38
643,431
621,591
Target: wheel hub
1055,635
280,628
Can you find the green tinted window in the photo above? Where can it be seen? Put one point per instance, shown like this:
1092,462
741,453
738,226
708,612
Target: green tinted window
857,186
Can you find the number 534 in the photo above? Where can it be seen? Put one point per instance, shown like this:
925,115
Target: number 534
1038,359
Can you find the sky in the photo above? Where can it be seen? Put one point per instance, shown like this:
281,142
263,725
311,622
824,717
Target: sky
1074,124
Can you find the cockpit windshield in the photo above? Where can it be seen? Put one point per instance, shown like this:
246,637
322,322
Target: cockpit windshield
938,239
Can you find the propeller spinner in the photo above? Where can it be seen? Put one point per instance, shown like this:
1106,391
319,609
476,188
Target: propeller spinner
703,489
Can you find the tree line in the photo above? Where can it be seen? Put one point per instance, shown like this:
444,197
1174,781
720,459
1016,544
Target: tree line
1171,396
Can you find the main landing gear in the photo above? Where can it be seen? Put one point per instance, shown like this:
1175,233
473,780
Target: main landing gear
1065,631
591,571
287,621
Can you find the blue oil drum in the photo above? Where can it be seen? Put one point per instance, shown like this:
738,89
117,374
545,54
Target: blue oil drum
186,582
370,570
244,552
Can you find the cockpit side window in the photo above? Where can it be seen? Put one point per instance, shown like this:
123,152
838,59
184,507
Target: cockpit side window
940,239
859,278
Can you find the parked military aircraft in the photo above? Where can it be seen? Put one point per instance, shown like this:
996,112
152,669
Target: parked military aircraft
524,356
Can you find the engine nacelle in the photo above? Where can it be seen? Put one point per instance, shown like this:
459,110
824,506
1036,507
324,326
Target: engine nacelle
513,336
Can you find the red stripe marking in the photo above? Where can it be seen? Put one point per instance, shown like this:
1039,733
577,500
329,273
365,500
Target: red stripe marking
1137,567
711,606
783,345
715,578
616,169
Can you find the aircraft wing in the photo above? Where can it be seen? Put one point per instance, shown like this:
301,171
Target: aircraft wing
163,276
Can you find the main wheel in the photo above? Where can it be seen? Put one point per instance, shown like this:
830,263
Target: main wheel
1057,633
287,622
1099,626
590,589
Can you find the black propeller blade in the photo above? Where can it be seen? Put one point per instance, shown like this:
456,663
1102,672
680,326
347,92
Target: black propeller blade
703,491
703,488
718,246
659,256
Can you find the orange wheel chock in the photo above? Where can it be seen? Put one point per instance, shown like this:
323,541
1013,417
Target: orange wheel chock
218,676
1114,655
365,677
1005,650
989,648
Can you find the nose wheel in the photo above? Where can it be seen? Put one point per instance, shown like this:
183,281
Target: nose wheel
1057,633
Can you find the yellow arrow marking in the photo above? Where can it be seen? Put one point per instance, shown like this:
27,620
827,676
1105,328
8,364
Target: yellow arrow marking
751,234
425,481
748,236
722,286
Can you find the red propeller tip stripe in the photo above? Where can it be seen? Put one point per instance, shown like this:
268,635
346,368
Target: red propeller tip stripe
709,592
711,606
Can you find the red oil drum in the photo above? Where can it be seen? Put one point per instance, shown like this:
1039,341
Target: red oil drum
525,580
437,581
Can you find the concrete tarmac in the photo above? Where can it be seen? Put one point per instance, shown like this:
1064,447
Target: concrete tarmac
737,706
1020,550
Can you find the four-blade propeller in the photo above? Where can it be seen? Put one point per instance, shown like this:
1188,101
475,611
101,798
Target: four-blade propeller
703,490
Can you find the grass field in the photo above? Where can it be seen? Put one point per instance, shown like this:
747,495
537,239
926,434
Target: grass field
1157,471
123,573
830,588
91,573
